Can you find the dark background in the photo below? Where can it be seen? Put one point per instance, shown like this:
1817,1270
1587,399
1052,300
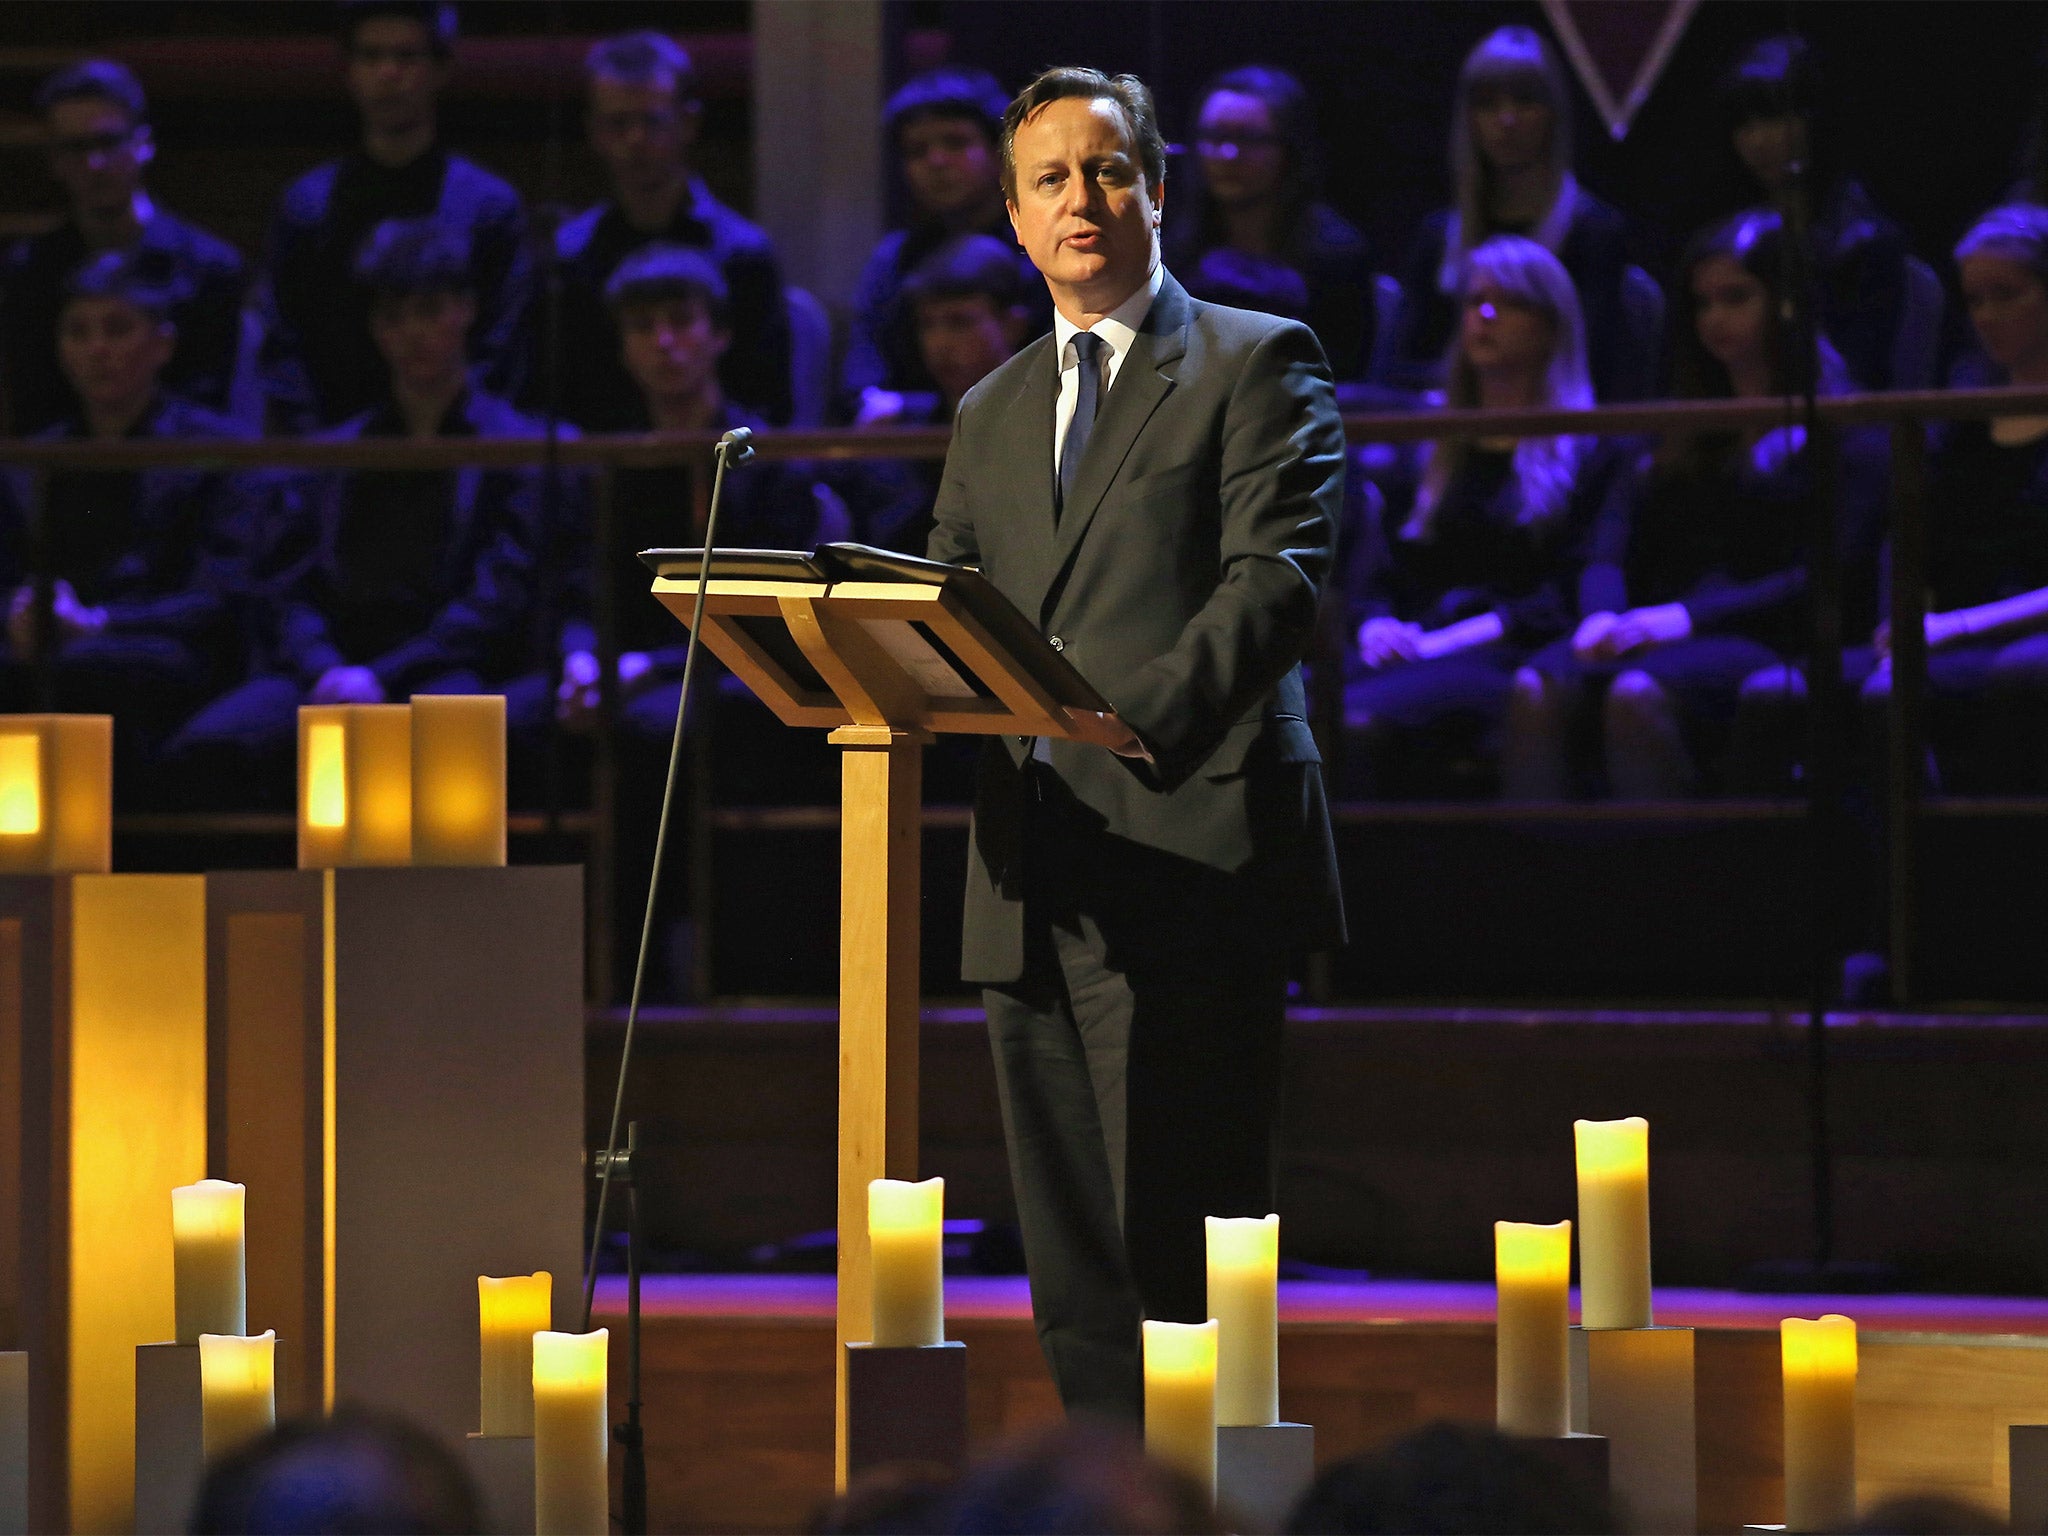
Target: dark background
1934,95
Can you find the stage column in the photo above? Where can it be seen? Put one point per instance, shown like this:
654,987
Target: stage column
881,834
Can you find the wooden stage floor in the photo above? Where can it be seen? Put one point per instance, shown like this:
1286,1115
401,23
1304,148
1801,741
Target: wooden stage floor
738,1383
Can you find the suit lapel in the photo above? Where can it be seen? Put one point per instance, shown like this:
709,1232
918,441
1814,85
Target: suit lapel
1143,379
1023,446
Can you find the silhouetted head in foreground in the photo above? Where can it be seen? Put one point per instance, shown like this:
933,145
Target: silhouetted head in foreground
1927,1514
356,1473
1452,1480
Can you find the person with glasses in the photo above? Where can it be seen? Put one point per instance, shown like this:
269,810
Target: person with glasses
643,122
320,365
1256,192
97,122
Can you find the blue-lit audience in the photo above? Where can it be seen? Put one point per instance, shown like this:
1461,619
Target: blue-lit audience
100,146
1256,193
1543,618
1512,173
1459,575
643,119
320,366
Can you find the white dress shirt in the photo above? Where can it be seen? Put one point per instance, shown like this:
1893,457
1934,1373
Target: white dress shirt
1118,329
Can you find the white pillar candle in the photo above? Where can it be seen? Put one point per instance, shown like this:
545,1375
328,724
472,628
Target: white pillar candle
1180,1397
906,1257
509,1313
210,1279
571,1435
237,1390
1532,1269
1820,1422
1244,1298
1614,1222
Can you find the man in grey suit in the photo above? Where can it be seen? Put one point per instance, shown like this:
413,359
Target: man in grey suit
1157,483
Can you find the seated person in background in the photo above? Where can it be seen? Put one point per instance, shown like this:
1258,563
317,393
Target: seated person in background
144,566
1987,532
1450,596
1771,103
671,309
395,583
1693,602
944,125
643,123
967,308
1244,281
100,144
1511,162
320,366
1256,191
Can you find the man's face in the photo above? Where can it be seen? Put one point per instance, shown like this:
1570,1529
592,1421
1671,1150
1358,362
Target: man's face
964,339
112,350
393,73
97,153
424,337
948,162
671,347
1083,210
641,132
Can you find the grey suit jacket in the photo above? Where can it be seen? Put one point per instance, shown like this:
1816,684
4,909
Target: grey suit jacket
1181,579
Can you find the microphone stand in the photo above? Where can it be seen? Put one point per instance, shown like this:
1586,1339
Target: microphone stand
633,1470
736,447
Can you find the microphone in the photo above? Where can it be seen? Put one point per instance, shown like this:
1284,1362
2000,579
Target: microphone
737,446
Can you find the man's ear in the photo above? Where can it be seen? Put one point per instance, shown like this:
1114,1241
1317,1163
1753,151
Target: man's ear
1016,325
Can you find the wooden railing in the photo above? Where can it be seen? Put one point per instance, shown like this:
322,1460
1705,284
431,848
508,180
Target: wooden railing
599,456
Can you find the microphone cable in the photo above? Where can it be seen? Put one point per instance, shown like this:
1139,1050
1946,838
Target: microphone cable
736,447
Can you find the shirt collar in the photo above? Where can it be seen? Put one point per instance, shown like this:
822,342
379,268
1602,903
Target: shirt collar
1119,328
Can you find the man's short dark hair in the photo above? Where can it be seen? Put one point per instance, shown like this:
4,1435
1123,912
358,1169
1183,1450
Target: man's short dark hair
118,275
953,90
1127,91
657,274
643,58
100,79
436,18
964,267
404,258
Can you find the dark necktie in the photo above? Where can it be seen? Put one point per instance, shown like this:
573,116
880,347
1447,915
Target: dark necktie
1087,401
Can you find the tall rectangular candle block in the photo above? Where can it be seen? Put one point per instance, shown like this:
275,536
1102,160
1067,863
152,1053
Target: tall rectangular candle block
1614,1222
1180,1397
1262,1470
13,1443
458,778
1635,1386
1532,1316
1244,1292
355,785
905,1405
170,1435
1819,1356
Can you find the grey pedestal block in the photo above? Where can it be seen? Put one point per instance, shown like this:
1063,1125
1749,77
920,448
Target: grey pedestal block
1635,1386
170,1435
1262,1470
501,1466
906,1405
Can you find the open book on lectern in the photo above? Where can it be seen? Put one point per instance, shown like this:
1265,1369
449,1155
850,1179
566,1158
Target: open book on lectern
850,634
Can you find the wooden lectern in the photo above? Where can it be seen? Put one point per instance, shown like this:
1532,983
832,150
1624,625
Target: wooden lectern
884,651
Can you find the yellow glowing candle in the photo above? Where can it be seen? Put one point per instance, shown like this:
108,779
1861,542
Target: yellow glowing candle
1614,1222
510,1312
570,1436
355,785
458,778
1532,1269
56,794
209,1270
237,1390
1244,1298
906,1226
1180,1397
21,784
1820,1422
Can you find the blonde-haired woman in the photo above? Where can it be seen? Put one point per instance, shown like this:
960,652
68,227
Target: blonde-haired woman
1455,585
1511,172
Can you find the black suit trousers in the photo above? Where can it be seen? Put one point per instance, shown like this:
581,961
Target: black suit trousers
1139,1064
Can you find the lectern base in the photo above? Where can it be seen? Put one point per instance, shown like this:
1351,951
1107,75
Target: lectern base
906,1405
1262,1470
501,1466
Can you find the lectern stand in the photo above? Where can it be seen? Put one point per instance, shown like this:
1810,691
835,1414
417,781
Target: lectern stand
884,652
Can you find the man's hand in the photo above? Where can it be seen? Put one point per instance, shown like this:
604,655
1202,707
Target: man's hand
347,685
878,407
72,619
1386,643
576,700
1593,640
1103,728
1643,628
